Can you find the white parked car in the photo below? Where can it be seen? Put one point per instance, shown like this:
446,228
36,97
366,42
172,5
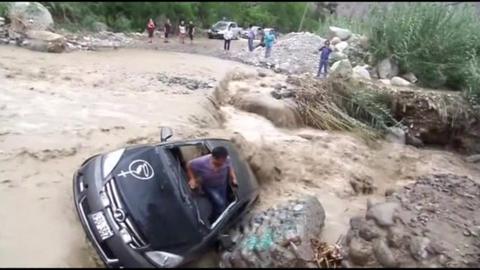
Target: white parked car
218,29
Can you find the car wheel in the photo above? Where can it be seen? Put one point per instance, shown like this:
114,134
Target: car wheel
273,238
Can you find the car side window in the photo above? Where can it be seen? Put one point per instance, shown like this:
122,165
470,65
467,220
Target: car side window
234,25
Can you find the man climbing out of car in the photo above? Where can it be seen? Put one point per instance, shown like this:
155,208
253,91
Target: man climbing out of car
212,172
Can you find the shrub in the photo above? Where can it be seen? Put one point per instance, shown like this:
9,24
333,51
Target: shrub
438,43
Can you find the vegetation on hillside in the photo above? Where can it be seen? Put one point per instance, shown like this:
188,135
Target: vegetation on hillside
122,16
440,44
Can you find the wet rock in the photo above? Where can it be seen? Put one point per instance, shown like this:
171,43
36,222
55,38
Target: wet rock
395,236
368,232
383,253
337,56
29,16
342,33
361,72
262,74
410,77
387,69
412,140
342,68
45,41
279,237
397,81
363,185
335,41
359,251
418,248
385,81
341,46
473,158
395,135
383,213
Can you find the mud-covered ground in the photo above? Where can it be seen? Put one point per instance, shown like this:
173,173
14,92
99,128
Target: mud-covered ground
56,110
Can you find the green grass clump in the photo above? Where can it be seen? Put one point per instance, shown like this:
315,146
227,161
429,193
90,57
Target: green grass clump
440,44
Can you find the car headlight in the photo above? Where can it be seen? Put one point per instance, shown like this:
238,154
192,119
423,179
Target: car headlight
164,259
111,160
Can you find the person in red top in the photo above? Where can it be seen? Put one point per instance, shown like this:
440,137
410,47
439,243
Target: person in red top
150,29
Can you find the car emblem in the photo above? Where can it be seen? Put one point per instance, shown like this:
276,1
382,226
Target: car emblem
119,215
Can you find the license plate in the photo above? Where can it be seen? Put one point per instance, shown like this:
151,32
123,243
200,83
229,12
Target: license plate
101,225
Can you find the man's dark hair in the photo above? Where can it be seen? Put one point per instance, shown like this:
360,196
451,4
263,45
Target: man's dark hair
219,152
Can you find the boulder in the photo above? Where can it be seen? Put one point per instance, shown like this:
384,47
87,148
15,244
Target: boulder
337,56
341,46
361,72
335,41
387,69
399,81
385,81
2,21
342,33
473,158
29,16
45,41
410,77
396,135
342,68
281,236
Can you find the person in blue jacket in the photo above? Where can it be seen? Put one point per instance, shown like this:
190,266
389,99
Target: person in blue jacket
325,52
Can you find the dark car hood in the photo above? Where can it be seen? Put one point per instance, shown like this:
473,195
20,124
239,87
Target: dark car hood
145,180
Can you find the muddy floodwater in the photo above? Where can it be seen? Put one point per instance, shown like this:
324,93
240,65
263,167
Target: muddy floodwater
56,110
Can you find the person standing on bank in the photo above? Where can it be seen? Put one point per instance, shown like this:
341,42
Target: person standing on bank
150,29
227,36
325,52
191,31
251,37
167,28
269,39
182,29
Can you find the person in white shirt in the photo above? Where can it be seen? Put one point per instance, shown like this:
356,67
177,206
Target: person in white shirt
227,36
182,29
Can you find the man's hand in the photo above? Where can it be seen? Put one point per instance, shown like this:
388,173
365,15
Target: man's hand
192,183
234,182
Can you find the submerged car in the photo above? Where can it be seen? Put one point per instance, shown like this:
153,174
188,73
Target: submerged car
137,209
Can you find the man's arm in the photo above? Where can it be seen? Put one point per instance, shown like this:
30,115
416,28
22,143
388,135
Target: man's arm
192,181
233,177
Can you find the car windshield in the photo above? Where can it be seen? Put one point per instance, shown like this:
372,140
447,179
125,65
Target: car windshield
220,25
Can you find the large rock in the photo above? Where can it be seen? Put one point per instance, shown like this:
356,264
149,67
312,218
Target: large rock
335,41
387,69
342,33
409,76
399,81
361,72
337,56
45,41
342,68
341,46
99,27
29,16
277,237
